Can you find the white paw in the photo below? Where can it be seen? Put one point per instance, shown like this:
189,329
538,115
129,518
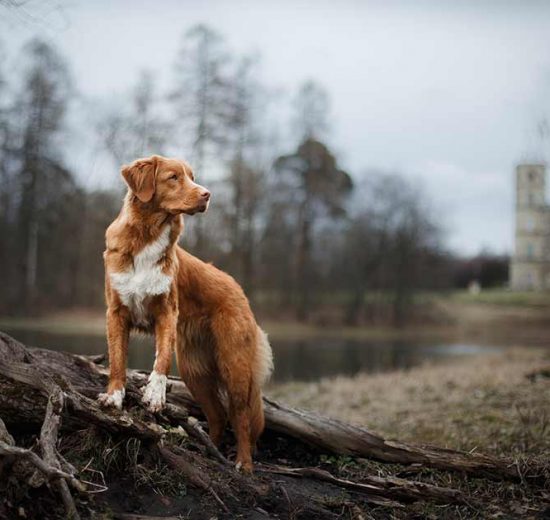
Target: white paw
154,395
245,467
113,399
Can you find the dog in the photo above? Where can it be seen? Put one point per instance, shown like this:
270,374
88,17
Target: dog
154,286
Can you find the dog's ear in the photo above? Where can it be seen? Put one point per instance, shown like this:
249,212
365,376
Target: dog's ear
140,177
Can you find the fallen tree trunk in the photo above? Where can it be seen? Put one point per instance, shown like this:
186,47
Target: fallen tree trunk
35,383
338,437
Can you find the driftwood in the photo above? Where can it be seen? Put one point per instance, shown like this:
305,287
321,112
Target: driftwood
42,390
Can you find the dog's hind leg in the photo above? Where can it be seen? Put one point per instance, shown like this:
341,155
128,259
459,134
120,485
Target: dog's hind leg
205,391
239,413
196,366
236,343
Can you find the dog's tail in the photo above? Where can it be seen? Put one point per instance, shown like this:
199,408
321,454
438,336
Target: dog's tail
264,359
262,371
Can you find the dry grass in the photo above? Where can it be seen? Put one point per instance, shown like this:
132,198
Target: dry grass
101,456
484,403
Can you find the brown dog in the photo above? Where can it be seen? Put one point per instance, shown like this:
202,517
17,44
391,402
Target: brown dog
153,285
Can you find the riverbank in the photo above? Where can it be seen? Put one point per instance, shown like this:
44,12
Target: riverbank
494,403
491,317
462,402
92,323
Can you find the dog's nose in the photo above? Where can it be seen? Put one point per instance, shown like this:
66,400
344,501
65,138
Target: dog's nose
205,194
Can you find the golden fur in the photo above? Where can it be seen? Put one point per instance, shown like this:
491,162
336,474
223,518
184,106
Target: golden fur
188,304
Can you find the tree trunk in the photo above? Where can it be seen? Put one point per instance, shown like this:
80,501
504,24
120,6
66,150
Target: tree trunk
303,275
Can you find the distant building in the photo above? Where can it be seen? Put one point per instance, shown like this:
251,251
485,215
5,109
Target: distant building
530,266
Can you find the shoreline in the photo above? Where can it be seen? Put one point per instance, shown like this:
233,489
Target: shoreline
93,324
503,319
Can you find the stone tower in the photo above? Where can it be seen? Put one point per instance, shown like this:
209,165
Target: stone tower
530,263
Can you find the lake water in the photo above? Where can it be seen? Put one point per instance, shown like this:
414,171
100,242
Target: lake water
300,359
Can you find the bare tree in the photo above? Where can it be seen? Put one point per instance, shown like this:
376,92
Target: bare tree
312,185
199,99
7,189
41,107
137,129
100,208
246,136
391,245
311,109
286,226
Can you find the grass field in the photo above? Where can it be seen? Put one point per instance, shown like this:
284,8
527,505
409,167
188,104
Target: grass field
494,404
504,297
487,403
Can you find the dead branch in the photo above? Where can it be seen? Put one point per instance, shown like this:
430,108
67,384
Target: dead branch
334,436
50,472
376,487
194,429
48,443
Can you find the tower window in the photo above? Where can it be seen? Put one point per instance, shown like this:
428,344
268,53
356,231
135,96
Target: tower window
530,223
530,250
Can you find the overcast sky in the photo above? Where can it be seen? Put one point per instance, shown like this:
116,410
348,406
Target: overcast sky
446,92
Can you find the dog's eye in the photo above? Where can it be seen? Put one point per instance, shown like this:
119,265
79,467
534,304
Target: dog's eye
173,178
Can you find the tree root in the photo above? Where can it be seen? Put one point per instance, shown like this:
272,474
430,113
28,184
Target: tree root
50,464
67,399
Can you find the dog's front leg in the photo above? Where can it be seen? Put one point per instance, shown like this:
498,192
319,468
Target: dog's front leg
165,339
118,331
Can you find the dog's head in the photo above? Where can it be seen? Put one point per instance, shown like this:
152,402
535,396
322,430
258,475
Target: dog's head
169,184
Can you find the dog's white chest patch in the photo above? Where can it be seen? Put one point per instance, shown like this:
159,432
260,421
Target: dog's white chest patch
144,279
